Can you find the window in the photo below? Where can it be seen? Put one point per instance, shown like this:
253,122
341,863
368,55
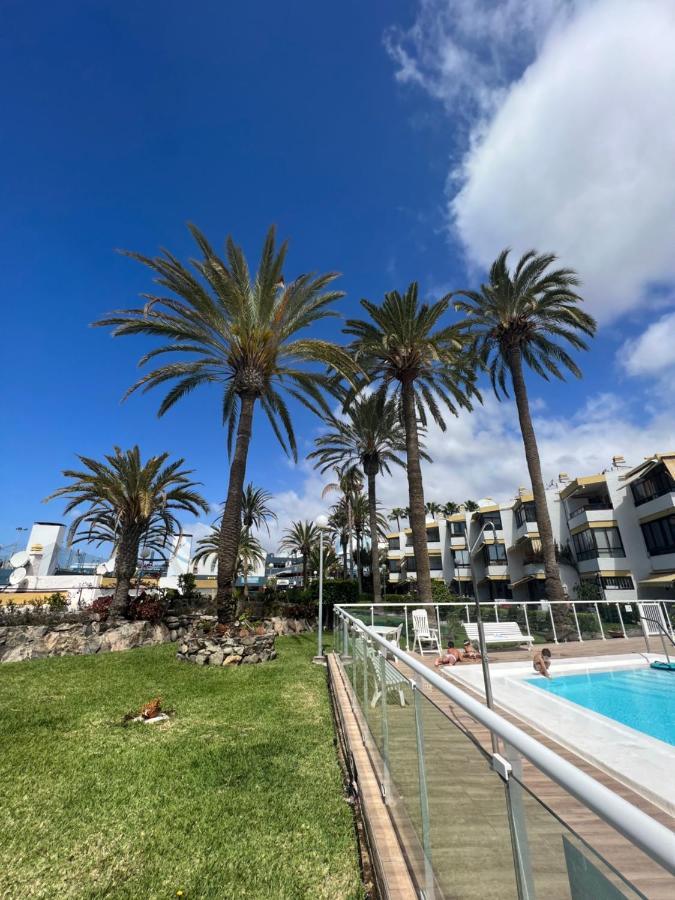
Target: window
458,529
657,483
659,535
494,554
500,590
618,583
433,535
435,563
525,513
394,565
495,518
461,557
598,542
395,543
462,588
536,589
408,540
410,564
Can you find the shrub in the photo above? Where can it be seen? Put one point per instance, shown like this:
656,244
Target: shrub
100,607
57,602
146,607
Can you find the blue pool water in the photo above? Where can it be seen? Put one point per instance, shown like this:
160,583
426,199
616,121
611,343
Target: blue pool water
643,699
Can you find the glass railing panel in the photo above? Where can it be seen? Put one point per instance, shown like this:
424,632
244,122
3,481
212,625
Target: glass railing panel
554,862
469,837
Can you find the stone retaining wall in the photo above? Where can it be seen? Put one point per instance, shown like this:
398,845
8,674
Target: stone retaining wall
19,642
217,650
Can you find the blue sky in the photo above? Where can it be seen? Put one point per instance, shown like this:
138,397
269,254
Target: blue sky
382,139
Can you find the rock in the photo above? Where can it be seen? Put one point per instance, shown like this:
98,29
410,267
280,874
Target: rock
202,658
173,636
251,658
232,660
217,658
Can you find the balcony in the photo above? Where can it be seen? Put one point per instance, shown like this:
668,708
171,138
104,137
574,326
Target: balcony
458,542
489,537
496,570
584,515
593,564
663,504
527,530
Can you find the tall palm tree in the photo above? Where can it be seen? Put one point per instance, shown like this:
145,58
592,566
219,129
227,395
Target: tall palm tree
396,515
525,316
331,563
349,483
450,508
127,500
338,525
470,505
401,349
432,508
301,538
249,551
255,513
371,436
239,332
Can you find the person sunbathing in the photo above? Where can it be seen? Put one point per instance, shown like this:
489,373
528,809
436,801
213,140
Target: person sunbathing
541,662
452,656
470,651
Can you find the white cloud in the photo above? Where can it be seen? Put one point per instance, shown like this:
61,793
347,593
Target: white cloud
653,351
573,154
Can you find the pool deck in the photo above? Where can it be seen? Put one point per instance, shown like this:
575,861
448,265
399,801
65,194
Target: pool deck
645,874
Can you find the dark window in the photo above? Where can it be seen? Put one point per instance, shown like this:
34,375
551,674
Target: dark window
618,583
394,565
495,518
657,483
458,529
536,589
659,535
461,557
525,513
394,543
500,590
435,563
594,543
494,554
410,564
433,534
462,588
409,540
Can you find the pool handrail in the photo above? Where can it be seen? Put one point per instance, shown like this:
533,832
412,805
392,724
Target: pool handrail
652,837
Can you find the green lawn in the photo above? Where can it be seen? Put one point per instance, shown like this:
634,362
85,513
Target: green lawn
239,795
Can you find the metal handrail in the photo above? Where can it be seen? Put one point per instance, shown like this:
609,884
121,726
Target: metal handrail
651,836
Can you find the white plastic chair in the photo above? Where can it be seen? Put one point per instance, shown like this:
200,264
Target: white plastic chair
422,633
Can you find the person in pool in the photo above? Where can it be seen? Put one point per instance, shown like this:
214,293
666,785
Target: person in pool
541,662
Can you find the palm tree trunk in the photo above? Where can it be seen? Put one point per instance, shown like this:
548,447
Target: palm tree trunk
359,562
304,571
554,589
126,560
350,531
417,516
371,472
345,570
231,523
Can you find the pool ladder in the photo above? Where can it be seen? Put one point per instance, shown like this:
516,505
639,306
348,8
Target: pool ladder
663,634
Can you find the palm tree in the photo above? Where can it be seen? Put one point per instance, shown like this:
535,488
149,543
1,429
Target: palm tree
249,551
432,508
301,538
127,500
239,332
450,508
255,513
349,483
396,515
371,437
470,505
400,347
331,563
338,525
520,317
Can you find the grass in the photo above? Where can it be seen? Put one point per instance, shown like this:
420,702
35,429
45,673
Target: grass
239,795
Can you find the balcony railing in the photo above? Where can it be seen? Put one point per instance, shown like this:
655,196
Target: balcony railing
438,780
598,553
604,505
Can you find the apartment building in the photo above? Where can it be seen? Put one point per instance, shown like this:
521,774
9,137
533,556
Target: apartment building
615,528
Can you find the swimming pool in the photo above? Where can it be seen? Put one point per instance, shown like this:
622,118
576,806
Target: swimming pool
642,698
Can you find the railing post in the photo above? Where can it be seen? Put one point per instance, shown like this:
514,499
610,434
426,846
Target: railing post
597,612
365,677
506,768
424,798
550,612
372,619
386,786
467,612
576,621
345,636
527,621
496,613
438,622
407,637
623,627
